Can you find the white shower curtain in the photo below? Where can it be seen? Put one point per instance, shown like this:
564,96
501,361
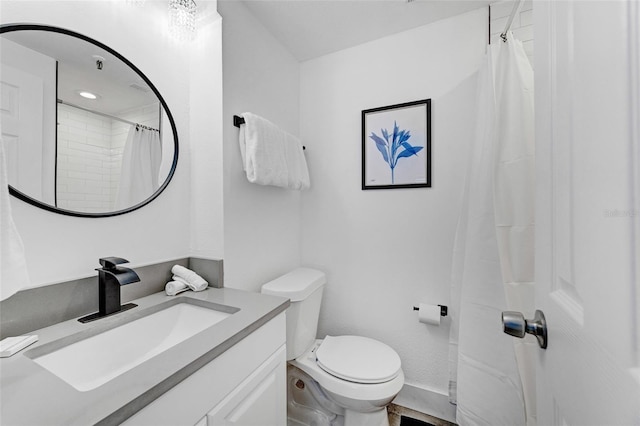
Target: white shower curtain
13,265
140,166
492,374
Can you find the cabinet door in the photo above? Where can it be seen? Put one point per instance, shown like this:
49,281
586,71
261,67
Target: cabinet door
190,400
259,400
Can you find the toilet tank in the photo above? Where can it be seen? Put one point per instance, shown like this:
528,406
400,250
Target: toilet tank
303,286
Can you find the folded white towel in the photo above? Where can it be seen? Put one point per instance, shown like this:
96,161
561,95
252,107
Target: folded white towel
180,280
174,287
271,156
197,285
194,281
13,265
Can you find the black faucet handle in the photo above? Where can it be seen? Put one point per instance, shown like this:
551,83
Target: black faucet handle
111,262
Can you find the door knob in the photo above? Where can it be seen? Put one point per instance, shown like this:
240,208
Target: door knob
513,323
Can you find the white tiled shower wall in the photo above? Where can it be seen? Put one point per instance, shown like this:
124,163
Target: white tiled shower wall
83,161
522,26
89,157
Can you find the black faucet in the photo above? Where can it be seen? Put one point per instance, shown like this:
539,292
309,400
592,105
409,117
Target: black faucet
110,278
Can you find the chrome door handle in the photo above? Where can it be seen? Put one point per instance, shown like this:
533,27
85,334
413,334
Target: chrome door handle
513,323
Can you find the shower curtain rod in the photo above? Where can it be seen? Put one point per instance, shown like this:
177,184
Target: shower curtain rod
516,6
60,101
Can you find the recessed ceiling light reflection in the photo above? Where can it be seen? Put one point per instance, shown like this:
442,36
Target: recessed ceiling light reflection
87,95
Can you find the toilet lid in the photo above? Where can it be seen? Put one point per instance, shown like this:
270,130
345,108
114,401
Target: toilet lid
358,359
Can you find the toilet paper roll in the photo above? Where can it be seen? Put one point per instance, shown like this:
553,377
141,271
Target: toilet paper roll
429,314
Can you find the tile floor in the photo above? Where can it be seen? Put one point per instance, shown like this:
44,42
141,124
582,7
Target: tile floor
397,411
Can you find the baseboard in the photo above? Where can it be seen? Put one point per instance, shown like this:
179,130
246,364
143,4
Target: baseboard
426,401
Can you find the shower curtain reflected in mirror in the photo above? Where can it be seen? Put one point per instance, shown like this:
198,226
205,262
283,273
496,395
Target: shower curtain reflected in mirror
13,264
492,374
140,166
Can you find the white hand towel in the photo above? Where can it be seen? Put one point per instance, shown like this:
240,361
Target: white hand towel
174,287
193,280
195,284
180,280
13,265
198,284
271,156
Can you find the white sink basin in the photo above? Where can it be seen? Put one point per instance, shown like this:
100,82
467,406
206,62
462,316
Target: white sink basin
94,361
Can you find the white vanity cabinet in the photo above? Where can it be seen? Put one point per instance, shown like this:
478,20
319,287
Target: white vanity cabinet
245,385
258,400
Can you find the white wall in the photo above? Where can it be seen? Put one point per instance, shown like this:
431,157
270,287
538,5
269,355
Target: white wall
261,223
207,236
61,247
386,251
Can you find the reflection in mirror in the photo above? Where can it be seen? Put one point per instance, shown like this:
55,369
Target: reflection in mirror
86,133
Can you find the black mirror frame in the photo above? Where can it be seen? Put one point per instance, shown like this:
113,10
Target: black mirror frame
4,28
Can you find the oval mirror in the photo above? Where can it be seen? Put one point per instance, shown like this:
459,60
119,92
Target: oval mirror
85,132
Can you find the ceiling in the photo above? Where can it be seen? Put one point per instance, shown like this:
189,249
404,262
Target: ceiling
312,28
119,88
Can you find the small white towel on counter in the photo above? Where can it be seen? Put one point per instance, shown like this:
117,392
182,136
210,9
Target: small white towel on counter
192,280
13,265
271,156
175,287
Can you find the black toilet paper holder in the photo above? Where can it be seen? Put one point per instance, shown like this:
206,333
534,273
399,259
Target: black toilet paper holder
443,310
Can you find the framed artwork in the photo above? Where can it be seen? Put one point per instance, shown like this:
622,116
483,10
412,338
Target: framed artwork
396,146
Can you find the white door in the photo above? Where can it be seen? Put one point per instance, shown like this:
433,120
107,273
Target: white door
588,215
21,100
28,119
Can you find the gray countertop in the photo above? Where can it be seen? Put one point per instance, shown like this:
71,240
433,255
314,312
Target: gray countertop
31,395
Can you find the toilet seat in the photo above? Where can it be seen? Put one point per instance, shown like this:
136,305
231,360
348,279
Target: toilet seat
308,363
358,359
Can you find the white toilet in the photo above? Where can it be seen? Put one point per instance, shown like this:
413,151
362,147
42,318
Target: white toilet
343,380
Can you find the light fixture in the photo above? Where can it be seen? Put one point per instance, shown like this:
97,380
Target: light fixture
182,19
87,95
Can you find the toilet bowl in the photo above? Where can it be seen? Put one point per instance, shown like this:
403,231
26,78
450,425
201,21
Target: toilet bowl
338,380
361,399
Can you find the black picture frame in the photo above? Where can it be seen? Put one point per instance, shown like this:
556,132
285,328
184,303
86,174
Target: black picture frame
397,135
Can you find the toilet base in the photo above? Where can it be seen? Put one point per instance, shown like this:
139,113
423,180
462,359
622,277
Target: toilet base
308,404
376,418
380,418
